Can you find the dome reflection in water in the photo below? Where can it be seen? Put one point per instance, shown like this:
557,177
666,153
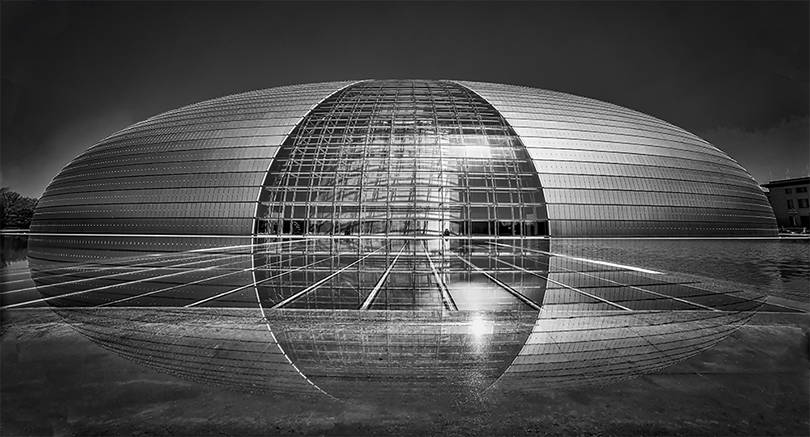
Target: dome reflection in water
390,237
368,317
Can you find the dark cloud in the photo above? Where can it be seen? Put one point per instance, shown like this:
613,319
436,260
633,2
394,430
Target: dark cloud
699,65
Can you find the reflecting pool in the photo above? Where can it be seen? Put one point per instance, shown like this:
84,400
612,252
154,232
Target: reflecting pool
363,317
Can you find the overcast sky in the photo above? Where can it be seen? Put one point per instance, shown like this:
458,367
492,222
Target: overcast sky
734,73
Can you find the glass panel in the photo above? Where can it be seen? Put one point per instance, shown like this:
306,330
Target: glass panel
392,152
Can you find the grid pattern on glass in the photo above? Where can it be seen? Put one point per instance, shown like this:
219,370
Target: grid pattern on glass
380,274
396,274
402,157
612,171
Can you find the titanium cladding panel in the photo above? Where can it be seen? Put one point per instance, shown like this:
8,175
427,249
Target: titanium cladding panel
611,171
192,171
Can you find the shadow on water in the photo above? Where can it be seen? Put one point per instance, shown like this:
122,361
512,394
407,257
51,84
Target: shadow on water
16,285
14,249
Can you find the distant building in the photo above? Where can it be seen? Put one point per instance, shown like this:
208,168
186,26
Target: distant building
789,200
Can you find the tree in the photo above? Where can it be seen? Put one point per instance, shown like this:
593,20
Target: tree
16,210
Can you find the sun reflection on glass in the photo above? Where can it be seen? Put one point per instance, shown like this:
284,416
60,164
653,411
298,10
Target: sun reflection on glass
479,327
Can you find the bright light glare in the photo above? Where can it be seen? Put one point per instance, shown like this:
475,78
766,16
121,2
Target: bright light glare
477,151
604,263
480,326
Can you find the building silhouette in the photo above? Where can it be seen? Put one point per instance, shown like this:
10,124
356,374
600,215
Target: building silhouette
789,200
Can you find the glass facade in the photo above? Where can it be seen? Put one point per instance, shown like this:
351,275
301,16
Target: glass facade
387,161
402,158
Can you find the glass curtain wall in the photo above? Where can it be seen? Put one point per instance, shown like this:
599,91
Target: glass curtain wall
398,158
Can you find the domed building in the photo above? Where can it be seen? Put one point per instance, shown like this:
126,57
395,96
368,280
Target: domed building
387,157
432,209
377,160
